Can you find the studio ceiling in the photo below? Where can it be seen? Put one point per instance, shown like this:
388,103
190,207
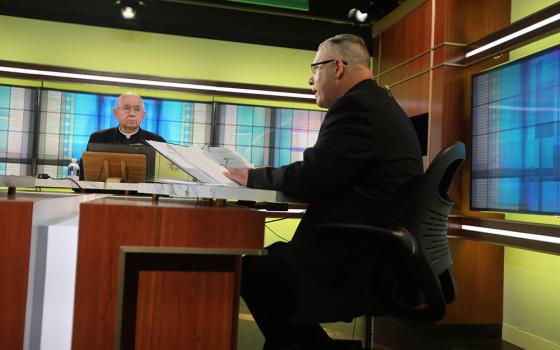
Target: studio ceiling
218,19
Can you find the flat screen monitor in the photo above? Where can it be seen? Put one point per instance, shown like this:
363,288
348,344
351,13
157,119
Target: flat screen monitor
516,136
93,171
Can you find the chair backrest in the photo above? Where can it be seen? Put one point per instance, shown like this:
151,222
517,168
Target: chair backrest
425,217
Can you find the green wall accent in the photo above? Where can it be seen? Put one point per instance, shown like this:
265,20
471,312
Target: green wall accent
161,55
20,82
531,279
128,51
531,302
523,8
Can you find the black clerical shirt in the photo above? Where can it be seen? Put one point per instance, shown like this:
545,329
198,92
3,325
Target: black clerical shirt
113,135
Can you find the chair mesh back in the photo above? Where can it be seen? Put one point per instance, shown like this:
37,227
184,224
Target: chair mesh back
426,215
432,234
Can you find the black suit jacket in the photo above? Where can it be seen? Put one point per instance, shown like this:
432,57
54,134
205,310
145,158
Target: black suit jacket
365,163
113,135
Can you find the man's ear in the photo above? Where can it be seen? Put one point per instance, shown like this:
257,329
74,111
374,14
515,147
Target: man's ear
339,69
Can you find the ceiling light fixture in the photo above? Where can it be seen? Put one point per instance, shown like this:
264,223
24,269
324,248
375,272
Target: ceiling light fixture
357,15
514,35
129,8
128,12
153,83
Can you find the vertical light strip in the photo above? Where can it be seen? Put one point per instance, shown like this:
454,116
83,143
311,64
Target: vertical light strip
514,35
516,234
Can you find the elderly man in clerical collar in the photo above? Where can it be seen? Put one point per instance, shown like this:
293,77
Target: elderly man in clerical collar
130,113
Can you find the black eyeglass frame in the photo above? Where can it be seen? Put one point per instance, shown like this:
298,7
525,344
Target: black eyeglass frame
315,65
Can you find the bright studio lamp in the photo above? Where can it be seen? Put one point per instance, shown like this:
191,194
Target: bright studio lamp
128,12
129,8
357,15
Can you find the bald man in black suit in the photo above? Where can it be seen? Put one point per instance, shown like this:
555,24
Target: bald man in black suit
365,163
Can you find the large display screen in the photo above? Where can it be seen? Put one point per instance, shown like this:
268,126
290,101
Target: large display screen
516,136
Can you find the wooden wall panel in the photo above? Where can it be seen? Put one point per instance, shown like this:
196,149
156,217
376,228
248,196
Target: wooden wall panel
446,54
455,21
446,123
445,119
462,21
411,68
444,93
407,38
413,95
15,240
478,269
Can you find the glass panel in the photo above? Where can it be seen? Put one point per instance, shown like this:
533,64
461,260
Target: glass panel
17,122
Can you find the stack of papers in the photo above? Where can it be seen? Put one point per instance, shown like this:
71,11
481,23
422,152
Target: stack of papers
204,164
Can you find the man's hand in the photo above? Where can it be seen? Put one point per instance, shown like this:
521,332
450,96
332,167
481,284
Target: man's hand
239,175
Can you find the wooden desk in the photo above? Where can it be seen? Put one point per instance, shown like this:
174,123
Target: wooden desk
15,242
175,309
24,219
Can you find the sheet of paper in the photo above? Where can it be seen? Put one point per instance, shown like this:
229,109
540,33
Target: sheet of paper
228,157
195,162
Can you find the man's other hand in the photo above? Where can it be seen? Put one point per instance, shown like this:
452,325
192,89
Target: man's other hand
239,175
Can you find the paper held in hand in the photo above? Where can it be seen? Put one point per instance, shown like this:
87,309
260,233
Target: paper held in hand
204,164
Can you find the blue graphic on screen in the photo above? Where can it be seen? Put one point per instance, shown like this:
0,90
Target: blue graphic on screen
267,136
516,136
88,113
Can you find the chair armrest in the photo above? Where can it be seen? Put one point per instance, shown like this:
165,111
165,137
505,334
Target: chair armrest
400,237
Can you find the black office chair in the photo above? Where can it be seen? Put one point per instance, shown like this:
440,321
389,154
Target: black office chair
420,246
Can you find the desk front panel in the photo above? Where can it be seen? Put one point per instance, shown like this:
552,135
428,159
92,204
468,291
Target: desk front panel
15,243
175,309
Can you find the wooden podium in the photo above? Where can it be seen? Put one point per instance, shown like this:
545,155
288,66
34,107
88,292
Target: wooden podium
168,272
114,167
15,243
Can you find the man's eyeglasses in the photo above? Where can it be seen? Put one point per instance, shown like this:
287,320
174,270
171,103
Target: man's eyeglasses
315,66
128,108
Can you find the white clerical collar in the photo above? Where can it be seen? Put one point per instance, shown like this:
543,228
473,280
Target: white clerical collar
128,135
